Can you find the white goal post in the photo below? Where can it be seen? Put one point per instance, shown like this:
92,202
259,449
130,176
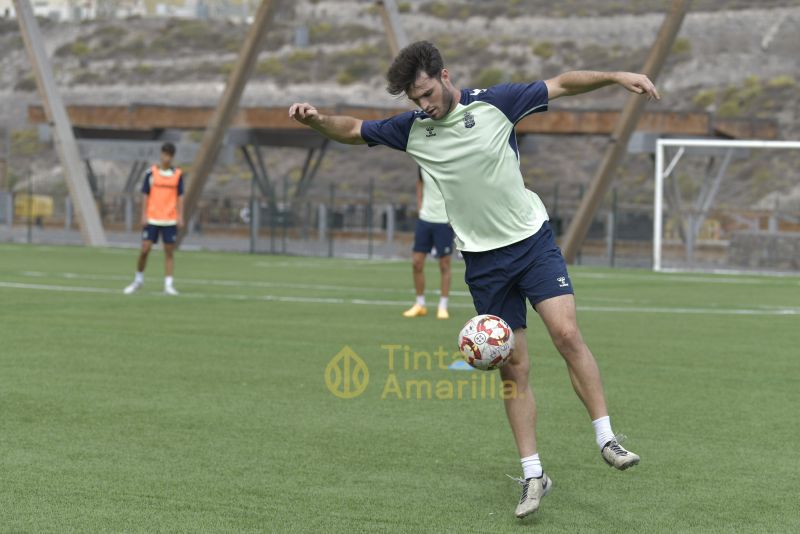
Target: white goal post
661,173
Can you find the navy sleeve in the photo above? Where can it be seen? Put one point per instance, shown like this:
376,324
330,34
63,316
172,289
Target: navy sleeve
180,186
518,100
146,184
392,132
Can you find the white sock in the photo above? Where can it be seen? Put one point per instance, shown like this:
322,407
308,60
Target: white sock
442,303
602,431
531,467
138,277
421,300
168,281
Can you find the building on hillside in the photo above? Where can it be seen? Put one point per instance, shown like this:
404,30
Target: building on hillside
76,10
55,9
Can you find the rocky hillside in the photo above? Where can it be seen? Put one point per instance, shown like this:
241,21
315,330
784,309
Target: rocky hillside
730,59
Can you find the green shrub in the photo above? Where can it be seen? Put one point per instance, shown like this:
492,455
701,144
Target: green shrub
143,69
729,108
779,82
705,97
357,70
300,56
269,67
488,77
681,46
25,143
79,48
27,83
544,50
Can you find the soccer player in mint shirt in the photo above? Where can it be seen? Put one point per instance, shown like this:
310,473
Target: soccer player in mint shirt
433,232
464,139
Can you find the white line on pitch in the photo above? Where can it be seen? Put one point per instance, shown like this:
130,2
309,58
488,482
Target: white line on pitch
369,302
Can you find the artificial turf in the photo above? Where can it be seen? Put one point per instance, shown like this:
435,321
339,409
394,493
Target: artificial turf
210,411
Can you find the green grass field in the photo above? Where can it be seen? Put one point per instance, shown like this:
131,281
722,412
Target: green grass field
210,411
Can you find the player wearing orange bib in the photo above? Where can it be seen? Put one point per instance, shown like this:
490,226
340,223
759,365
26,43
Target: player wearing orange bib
162,214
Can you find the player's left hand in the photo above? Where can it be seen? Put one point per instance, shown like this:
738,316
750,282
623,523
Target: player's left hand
638,83
180,222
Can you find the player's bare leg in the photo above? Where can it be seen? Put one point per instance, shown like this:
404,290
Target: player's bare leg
521,413
521,408
141,263
418,272
169,267
446,274
560,318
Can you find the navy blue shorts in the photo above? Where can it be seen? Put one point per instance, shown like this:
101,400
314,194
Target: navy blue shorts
168,233
501,279
428,234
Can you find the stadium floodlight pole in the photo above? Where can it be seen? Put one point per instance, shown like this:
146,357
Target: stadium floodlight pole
67,148
398,39
225,111
618,142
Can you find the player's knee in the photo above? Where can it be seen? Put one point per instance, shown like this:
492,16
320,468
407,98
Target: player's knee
516,370
444,267
568,339
146,248
418,265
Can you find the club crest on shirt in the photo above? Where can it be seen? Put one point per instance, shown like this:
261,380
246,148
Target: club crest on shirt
430,132
469,120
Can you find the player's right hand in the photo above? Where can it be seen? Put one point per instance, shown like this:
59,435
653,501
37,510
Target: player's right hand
304,113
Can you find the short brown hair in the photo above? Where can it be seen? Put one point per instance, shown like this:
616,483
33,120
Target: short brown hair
412,60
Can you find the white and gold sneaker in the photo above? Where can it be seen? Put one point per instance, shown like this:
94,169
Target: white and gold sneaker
533,489
617,456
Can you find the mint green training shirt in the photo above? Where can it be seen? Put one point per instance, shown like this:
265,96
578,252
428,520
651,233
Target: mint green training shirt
472,156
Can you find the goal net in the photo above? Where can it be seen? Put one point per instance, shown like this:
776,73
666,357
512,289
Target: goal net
727,206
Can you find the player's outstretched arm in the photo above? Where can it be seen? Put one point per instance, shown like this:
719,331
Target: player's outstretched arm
338,127
583,81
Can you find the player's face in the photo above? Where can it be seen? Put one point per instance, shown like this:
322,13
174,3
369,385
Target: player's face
431,95
166,160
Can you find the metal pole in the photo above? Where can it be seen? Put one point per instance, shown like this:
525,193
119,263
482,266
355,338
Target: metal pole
4,155
658,205
253,207
9,210
330,220
579,255
390,223
618,143
30,210
284,211
322,222
67,213
88,216
395,33
369,216
226,109
128,212
612,228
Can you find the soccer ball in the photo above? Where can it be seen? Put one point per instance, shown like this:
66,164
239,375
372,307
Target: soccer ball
486,342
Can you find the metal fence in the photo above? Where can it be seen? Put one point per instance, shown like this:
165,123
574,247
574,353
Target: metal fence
332,221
